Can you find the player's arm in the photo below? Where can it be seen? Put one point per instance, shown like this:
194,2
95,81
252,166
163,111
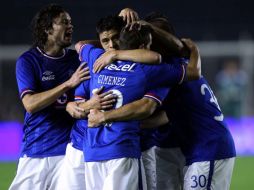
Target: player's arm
34,102
137,55
193,70
101,101
173,45
79,44
136,110
158,119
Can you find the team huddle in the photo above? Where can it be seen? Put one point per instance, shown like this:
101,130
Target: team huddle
128,111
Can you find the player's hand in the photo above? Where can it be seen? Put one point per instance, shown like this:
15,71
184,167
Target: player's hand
104,60
81,74
75,111
95,118
129,15
102,101
137,24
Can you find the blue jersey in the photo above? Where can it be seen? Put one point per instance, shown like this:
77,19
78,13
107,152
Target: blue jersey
196,117
163,136
82,93
130,81
46,132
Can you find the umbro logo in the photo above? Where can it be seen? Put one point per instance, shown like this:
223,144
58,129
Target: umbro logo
48,75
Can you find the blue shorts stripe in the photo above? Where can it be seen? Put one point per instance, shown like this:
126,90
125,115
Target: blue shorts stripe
210,175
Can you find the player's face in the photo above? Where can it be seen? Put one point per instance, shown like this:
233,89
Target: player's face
61,32
109,39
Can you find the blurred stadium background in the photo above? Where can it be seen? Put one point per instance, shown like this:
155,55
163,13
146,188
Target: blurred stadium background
224,31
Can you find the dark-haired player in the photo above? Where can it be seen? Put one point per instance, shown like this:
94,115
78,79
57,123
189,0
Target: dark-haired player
112,151
46,75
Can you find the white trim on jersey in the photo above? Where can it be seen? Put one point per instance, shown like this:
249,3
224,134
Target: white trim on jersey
51,57
149,95
27,91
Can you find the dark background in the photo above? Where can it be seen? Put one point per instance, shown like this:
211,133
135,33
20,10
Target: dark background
198,19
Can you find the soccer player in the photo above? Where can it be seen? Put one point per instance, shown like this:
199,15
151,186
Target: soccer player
46,75
199,126
73,170
112,151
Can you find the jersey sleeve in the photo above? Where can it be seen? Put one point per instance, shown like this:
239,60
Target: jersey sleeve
89,53
158,94
26,77
164,74
82,92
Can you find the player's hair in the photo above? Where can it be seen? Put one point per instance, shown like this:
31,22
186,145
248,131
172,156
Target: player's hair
161,21
42,22
133,38
111,22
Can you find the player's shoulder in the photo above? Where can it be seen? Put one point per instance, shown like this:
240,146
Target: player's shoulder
32,52
28,56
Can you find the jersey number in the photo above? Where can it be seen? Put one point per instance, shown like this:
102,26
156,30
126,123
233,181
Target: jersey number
213,99
119,101
198,181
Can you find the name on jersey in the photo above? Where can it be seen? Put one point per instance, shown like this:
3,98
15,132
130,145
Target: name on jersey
48,75
126,67
111,80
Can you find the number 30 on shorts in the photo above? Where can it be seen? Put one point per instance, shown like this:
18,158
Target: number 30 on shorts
198,181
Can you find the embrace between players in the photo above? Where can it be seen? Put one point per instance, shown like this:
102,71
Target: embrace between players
135,114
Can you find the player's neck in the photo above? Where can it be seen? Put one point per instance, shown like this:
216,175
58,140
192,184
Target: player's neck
53,50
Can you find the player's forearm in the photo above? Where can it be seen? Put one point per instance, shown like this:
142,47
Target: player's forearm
86,106
158,119
38,101
138,55
173,44
194,66
137,110
80,43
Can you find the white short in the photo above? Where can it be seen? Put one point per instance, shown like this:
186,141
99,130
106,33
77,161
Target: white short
72,174
169,168
37,173
163,168
149,162
209,175
116,174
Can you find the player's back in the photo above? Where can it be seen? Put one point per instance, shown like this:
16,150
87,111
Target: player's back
129,82
199,122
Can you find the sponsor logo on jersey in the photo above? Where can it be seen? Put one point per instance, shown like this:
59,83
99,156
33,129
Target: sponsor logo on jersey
48,75
125,67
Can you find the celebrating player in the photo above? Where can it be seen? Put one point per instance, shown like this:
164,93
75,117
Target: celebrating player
46,75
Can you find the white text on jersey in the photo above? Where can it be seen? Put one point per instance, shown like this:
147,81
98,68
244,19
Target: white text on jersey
111,80
126,67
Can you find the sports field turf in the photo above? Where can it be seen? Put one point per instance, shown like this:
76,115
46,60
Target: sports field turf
243,176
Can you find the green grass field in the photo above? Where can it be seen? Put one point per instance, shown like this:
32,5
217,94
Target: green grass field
243,176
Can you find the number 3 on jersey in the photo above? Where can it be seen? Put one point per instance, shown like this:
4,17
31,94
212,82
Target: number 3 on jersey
119,101
213,99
